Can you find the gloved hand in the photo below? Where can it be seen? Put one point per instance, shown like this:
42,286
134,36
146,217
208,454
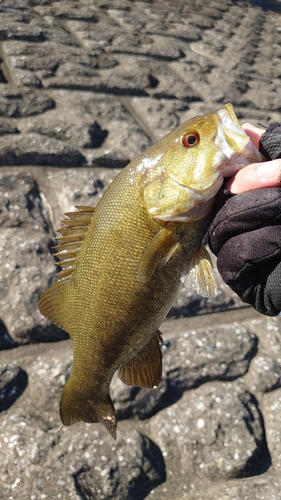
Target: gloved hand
246,237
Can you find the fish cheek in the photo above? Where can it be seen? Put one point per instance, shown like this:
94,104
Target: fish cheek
165,198
196,168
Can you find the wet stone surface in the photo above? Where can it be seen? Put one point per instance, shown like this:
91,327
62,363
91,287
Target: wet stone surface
84,88
26,240
13,381
221,445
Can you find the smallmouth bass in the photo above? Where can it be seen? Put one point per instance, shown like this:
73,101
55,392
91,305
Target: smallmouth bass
124,261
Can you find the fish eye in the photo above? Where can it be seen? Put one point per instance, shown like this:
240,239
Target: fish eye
189,140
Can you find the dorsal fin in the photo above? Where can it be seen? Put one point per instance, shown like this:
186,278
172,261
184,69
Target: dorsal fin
72,235
52,301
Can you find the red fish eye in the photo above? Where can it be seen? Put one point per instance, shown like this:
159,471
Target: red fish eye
190,139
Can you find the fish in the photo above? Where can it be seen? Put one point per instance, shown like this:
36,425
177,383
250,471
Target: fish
123,262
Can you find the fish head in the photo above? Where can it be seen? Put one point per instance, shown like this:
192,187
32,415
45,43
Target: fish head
190,163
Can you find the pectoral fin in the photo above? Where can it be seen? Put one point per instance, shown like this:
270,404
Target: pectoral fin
145,369
200,274
157,253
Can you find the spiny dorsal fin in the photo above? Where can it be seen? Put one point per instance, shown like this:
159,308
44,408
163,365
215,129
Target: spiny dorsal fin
145,369
52,301
158,252
200,274
72,235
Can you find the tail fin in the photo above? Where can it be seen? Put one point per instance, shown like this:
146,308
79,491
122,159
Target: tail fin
75,406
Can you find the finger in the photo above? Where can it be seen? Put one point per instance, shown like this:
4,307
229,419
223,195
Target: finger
256,176
253,132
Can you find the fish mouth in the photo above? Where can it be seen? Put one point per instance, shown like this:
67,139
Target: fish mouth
234,142
230,135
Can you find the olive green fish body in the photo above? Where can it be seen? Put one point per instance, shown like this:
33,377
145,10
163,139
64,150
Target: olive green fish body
123,262
115,316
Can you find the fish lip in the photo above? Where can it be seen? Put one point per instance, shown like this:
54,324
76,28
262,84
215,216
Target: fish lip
230,138
229,119
233,141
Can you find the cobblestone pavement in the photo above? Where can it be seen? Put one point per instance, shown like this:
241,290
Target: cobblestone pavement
85,86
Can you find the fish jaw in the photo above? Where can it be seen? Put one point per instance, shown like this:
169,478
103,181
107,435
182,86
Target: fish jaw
235,144
230,138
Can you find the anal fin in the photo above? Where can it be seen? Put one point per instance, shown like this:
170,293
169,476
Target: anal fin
145,369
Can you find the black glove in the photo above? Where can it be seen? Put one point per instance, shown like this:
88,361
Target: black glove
246,237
